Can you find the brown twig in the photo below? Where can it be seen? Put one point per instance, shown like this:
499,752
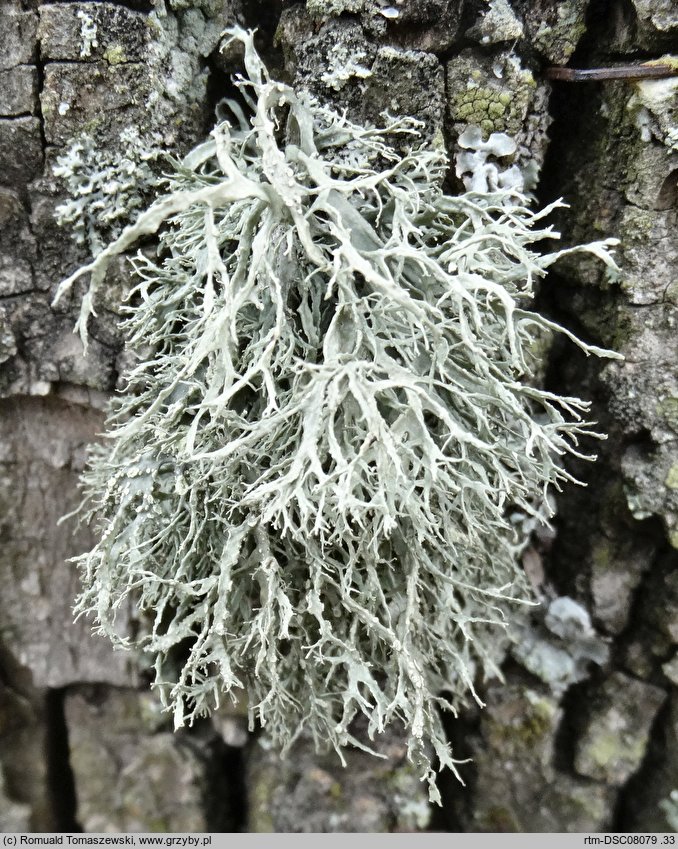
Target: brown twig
621,72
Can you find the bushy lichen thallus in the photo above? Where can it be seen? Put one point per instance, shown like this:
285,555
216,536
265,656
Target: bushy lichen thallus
304,490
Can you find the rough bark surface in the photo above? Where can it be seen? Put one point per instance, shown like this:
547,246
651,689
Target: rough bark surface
582,735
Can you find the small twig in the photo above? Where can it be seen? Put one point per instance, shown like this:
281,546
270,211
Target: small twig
621,72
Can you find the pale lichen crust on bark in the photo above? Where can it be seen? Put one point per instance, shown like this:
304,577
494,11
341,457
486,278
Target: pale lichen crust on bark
306,487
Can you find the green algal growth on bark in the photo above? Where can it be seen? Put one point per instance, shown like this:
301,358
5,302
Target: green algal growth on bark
305,487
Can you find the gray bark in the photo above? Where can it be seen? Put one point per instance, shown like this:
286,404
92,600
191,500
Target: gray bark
582,735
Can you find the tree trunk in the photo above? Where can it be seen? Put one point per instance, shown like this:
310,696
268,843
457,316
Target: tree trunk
582,733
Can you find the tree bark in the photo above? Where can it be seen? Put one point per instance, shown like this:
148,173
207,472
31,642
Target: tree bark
582,733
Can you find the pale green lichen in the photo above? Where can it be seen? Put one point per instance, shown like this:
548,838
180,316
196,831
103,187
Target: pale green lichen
344,64
555,29
653,104
491,108
115,55
561,652
497,23
106,186
88,33
670,808
477,171
672,478
306,486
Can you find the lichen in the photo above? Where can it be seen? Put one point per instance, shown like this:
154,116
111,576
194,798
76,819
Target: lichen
653,105
555,29
115,55
344,64
497,23
477,171
522,731
670,808
672,478
305,488
562,649
88,33
106,187
497,107
8,347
